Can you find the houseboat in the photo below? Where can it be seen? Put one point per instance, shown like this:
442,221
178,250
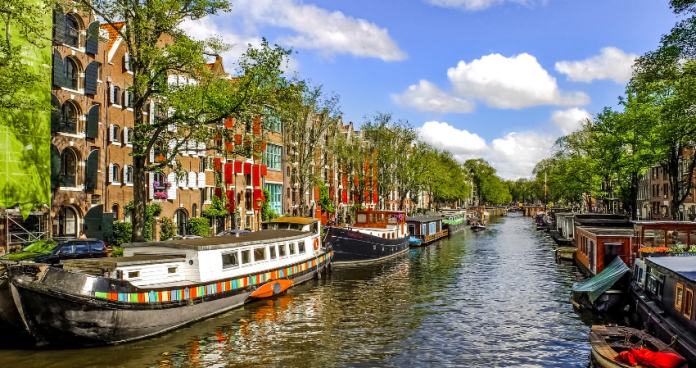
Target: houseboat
375,235
597,247
426,228
564,229
454,221
663,290
159,286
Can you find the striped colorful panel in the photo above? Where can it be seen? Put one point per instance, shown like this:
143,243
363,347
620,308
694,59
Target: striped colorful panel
219,287
101,295
133,297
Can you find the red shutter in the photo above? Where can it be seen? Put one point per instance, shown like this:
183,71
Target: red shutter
256,173
218,192
217,164
229,173
229,123
345,196
258,194
331,192
237,139
357,182
230,147
247,168
230,200
367,196
316,193
217,137
257,126
317,212
345,181
263,146
374,197
264,170
238,167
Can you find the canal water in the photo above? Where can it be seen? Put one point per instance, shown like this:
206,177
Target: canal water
489,299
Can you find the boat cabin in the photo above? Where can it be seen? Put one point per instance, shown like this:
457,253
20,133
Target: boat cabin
426,228
597,247
384,224
565,225
191,261
292,223
664,234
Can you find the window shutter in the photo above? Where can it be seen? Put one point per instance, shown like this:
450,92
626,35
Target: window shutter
152,155
193,180
56,114
92,42
111,133
55,167
183,182
201,180
92,130
172,189
111,173
126,61
111,93
150,181
58,69
60,27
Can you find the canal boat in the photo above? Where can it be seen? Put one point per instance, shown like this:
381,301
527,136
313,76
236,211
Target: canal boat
414,242
427,228
374,236
159,286
663,289
454,222
478,226
599,246
615,346
604,292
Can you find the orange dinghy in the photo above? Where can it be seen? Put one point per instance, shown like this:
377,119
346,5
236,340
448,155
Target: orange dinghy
272,288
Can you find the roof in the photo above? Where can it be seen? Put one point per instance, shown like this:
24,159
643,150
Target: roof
227,241
128,261
684,266
424,218
113,32
294,220
608,231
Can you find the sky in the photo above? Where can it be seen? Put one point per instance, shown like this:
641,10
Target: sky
497,79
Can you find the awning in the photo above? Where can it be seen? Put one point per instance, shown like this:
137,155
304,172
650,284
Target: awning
597,285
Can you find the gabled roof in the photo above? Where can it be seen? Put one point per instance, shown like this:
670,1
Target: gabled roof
113,32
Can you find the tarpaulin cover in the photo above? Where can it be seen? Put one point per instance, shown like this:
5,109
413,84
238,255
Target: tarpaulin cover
597,285
647,358
229,173
25,135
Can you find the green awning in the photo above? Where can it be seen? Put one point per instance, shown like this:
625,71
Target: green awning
597,285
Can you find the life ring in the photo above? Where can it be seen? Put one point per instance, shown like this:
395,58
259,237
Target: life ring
316,243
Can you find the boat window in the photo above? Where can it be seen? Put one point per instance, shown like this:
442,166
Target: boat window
246,256
272,249
281,250
688,302
133,274
230,260
362,218
301,247
292,248
259,254
172,269
678,297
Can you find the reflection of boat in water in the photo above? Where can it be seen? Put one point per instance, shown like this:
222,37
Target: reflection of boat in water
160,286
615,347
477,226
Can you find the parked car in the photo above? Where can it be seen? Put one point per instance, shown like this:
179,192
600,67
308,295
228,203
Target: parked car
232,232
74,249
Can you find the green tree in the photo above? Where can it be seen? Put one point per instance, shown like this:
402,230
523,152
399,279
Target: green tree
480,172
324,199
167,229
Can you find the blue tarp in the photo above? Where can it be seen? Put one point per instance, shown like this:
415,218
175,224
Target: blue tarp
597,285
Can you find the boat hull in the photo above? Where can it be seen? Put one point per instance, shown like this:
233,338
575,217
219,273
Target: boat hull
453,229
354,247
58,312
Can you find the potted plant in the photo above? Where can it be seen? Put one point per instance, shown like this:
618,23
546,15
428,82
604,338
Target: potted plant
653,251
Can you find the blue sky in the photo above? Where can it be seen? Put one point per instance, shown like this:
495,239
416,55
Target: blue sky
521,72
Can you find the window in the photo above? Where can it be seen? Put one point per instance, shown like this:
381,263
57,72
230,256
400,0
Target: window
272,157
68,168
194,210
67,249
115,95
81,248
688,302
97,247
128,172
115,173
128,136
272,250
301,247
292,248
115,131
246,256
172,270
259,254
433,229
72,73
276,197
281,250
424,229
72,34
230,260
69,124
133,274
679,297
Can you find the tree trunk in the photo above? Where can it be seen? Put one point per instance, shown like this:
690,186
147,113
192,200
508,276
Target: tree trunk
140,184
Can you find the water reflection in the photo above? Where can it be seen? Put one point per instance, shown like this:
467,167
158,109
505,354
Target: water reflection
494,298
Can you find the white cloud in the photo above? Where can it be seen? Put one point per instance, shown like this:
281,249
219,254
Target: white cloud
569,120
425,96
472,4
447,137
611,63
511,83
516,154
332,32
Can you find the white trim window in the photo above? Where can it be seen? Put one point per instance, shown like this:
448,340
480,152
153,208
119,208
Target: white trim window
114,174
128,175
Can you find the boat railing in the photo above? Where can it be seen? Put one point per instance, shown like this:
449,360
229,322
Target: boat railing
431,237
